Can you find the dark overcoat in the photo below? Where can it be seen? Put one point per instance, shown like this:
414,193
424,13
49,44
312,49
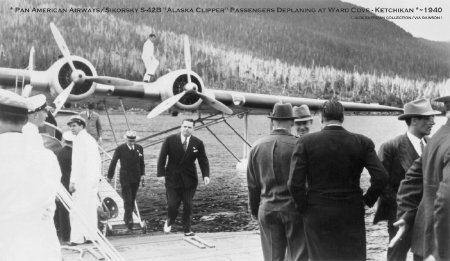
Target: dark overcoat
330,162
132,165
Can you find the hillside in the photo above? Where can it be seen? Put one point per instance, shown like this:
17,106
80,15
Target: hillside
309,55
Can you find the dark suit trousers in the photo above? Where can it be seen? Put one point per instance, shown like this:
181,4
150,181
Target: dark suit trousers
400,250
174,198
62,222
281,231
129,191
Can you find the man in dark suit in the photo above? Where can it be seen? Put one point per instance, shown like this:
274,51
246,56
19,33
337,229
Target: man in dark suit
180,172
417,193
269,200
62,218
397,155
132,171
324,181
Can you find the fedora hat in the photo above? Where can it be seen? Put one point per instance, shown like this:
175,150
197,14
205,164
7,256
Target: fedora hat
302,113
421,107
130,135
282,111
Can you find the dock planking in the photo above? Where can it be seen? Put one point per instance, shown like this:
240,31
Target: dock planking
171,247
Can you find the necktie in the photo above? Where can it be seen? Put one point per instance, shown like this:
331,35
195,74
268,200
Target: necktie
185,144
421,146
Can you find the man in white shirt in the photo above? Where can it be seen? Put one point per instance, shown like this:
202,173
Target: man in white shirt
84,179
149,59
37,113
397,155
30,178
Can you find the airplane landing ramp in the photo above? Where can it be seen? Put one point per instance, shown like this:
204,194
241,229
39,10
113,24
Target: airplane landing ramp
171,247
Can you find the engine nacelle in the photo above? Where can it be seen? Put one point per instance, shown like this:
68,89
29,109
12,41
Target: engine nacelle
60,72
174,82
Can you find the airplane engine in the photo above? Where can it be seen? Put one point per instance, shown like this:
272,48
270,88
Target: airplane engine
175,82
60,78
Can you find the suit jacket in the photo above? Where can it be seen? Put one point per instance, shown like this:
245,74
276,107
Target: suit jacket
132,166
268,172
417,191
331,162
65,163
442,218
93,125
179,169
397,155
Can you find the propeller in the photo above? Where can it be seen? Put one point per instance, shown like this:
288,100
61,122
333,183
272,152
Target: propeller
189,87
78,76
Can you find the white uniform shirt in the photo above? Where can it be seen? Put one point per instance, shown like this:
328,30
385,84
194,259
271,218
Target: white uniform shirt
86,172
30,177
31,132
148,57
416,142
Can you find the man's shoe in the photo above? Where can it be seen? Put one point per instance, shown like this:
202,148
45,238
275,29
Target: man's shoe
167,228
88,242
189,234
72,244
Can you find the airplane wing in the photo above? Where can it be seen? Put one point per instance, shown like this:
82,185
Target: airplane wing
73,78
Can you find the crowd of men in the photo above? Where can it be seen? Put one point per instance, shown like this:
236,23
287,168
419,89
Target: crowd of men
304,188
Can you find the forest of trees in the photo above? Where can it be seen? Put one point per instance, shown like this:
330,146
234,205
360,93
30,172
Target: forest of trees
315,57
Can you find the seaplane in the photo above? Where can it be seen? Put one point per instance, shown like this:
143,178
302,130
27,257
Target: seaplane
74,79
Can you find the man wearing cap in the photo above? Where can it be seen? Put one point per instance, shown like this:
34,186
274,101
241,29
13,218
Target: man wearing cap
93,124
149,59
303,120
280,222
324,181
30,179
180,151
65,163
132,171
397,155
84,179
37,113
417,193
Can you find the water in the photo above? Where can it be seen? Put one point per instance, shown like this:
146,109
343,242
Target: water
222,205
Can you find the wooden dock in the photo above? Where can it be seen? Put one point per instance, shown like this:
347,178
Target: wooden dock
172,247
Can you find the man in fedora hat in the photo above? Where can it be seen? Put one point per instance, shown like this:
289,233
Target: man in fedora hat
84,179
280,222
417,194
324,181
132,171
303,121
30,177
397,155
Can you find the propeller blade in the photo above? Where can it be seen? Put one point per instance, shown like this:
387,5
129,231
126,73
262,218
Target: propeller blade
165,105
187,57
62,98
215,104
109,80
62,45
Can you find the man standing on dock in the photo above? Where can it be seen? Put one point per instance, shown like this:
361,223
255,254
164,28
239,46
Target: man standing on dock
181,174
132,171
30,178
270,203
397,155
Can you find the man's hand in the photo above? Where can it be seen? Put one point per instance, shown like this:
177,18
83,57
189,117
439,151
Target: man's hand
109,180
206,179
72,188
100,140
401,230
142,181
